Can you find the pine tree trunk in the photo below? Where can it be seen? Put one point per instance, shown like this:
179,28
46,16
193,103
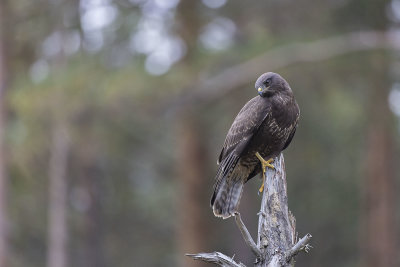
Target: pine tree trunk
57,226
3,172
90,179
191,226
379,236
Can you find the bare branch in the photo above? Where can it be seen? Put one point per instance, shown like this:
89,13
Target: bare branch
246,236
239,75
302,245
217,258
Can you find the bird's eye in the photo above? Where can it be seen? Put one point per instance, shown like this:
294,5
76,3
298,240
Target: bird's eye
267,81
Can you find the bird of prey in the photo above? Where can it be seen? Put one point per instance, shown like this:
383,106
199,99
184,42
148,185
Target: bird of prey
263,128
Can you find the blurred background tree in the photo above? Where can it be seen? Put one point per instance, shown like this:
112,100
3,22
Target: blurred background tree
112,114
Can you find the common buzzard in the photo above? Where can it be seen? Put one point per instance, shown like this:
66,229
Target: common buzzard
263,128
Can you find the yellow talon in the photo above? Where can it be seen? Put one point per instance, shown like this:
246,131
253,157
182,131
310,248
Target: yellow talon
265,164
261,187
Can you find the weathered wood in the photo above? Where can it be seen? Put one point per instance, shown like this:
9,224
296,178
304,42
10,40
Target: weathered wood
217,258
301,245
247,237
276,225
277,243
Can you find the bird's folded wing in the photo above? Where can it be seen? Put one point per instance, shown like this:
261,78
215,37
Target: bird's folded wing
244,126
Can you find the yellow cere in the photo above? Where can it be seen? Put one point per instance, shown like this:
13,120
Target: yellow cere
259,89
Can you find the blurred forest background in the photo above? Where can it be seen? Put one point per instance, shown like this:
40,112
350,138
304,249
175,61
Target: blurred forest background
112,114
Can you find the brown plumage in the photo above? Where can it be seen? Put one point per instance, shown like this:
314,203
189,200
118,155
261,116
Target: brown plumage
266,124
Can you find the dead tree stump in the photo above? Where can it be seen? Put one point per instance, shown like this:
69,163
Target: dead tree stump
277,243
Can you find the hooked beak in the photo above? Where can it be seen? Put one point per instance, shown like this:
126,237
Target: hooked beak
260,91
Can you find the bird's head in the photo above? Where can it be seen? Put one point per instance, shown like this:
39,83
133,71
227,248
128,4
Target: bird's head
271,83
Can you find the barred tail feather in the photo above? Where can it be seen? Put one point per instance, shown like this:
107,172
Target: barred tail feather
226,197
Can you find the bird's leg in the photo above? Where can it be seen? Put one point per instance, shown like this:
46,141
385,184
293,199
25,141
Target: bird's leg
264,164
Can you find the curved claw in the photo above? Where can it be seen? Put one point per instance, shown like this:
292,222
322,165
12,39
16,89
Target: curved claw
261,189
